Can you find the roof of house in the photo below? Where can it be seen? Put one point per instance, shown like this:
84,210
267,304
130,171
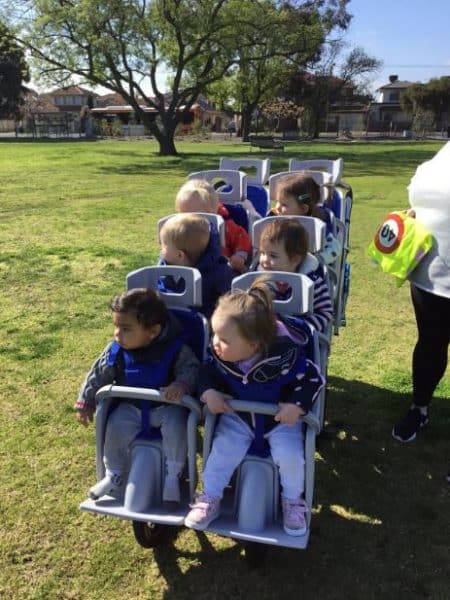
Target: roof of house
396,84
109,99
71,90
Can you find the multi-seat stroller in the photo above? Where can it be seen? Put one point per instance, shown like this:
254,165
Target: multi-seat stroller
251,506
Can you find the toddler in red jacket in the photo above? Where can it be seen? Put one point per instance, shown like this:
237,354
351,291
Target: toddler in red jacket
198,195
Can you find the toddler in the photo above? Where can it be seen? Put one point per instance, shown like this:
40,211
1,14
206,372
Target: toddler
254,357
189,240
299,194
283,246
198,195
147,351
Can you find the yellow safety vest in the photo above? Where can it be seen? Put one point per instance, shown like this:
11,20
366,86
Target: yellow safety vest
399,245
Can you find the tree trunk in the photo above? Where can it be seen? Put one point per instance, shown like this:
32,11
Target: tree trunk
167,144
246,120
164,132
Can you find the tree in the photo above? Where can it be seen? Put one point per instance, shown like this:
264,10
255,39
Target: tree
13,72
281,110
123,46
280,41
316,91
431,99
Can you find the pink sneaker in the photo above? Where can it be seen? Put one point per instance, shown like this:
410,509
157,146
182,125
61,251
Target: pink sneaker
294,521
204,510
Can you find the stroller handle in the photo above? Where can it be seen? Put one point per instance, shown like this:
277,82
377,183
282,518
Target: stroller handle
269,409
149,394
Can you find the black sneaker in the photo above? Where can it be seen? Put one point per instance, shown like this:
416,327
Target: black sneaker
406,429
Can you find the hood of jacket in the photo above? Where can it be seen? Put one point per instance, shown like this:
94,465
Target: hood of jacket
212,256
283,354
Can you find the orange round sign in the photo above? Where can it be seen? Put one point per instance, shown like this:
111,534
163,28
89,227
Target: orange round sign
390,234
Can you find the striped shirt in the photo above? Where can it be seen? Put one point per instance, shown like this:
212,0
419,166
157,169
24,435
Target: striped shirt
322,311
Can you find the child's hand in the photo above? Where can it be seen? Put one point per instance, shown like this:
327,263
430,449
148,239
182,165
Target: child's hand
85,416
174,392
237,263
216,402
289,414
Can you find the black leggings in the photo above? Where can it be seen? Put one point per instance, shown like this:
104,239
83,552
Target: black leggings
429,360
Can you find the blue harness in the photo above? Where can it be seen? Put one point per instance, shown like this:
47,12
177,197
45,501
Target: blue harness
151,374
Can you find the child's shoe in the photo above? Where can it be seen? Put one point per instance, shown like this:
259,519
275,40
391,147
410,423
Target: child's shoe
203,511
294,521
110,485
171,491
407,429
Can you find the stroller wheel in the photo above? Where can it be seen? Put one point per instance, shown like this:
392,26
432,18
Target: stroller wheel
149,535
255,554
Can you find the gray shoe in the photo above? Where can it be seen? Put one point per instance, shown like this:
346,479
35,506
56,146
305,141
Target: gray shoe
110,485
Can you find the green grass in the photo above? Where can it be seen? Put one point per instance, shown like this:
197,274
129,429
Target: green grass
74,219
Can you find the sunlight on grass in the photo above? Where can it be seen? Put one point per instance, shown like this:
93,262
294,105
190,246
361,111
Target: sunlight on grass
347,513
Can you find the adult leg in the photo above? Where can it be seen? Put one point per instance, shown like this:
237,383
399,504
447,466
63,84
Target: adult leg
429,360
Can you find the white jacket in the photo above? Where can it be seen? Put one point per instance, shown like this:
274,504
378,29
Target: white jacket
429,196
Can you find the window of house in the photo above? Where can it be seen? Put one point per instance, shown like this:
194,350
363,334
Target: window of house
394,97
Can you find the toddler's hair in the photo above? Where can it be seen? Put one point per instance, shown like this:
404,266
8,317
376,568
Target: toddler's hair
252,311
290,233
303,188
187,232
146,305
199,190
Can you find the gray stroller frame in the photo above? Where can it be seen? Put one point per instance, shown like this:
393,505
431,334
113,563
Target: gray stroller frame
250,507
142,501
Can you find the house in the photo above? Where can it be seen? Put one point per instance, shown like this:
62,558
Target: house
347,111
338,105
58,112
71,98
387,113
113,109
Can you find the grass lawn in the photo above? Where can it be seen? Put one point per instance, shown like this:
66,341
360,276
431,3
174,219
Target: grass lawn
75,217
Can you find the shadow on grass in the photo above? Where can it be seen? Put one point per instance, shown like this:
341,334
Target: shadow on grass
365,159
44,140
379,525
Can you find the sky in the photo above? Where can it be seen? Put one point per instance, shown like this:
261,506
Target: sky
411,37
